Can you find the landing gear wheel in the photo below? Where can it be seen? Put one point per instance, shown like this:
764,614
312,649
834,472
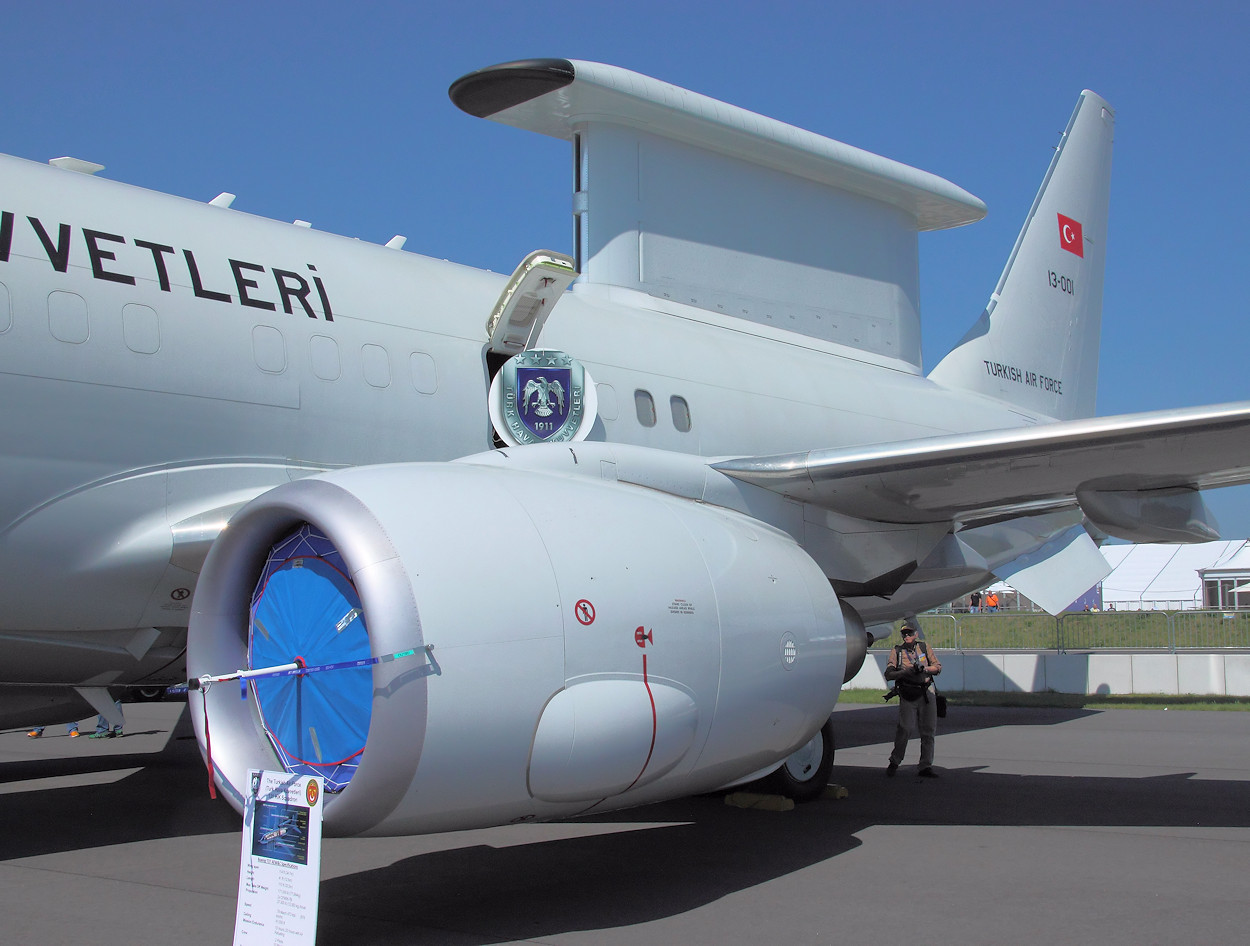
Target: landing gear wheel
804,775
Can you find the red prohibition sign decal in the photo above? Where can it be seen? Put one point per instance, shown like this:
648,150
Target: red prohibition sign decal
585,612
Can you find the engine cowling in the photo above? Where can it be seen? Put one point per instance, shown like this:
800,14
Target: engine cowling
590,644
858,640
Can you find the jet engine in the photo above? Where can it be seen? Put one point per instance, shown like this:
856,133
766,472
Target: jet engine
462,645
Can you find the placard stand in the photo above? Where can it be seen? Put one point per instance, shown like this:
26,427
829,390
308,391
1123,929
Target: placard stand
280,866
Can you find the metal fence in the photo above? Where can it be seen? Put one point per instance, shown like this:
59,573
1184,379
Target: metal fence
1170,631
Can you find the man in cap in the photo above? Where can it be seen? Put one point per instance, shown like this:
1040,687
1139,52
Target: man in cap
912,668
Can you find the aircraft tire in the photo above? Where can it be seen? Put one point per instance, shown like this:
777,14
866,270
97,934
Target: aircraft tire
804,775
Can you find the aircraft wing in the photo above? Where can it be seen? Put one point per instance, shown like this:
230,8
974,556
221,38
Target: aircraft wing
1132,474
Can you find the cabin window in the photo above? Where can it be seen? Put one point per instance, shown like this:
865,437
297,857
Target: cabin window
324,354
681,413
269,349
644,405
141,329
608,407
6,311
67,317
424,373
376,365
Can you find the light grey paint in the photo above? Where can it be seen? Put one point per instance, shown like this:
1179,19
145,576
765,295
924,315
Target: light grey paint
816,464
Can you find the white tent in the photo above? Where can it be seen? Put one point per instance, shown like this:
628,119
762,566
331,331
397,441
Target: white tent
1157,577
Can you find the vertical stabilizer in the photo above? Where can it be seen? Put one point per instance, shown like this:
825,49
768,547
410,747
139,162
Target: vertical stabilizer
1036,343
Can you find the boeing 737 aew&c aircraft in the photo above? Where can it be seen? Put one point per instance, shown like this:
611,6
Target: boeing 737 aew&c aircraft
481,550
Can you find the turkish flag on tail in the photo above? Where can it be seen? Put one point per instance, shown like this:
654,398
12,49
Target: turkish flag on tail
1070,236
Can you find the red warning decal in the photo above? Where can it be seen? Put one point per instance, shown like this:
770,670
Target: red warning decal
585,612
642,637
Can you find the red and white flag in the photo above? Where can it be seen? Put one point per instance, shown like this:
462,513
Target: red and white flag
1070,236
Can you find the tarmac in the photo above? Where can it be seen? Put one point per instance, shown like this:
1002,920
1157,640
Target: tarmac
1109,826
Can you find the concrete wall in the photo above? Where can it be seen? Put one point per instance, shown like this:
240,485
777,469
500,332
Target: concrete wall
1218,674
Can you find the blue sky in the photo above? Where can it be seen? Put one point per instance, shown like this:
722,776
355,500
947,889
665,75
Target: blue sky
338,114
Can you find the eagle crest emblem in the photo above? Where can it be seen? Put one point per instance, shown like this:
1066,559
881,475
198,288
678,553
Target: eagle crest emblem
542,396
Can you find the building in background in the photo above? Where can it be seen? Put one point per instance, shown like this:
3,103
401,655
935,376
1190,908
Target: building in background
1226,584
1207,575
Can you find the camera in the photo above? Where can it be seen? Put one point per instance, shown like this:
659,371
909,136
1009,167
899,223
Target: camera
893,693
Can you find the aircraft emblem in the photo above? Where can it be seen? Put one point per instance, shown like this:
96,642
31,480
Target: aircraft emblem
541,391
542,396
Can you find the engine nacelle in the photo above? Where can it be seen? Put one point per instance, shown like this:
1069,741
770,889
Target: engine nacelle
592,645
858,640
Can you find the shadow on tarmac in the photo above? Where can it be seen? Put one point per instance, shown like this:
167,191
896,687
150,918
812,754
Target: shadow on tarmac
649,864
703,850
706,851
484,894
872,724
166,798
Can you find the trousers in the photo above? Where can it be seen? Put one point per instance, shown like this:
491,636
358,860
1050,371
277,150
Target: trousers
918,714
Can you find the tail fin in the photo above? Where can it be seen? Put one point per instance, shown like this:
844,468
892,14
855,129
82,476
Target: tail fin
1036,343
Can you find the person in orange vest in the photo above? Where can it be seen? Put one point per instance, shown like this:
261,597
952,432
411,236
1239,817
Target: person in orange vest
991,601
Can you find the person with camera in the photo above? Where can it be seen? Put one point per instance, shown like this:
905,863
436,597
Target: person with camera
911,668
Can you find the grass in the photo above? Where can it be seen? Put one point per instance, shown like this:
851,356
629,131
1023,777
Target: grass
1015,630
1071,700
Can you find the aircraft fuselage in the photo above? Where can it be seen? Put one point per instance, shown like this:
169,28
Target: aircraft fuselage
166,361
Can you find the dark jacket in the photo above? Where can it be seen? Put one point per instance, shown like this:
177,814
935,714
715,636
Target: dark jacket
912,670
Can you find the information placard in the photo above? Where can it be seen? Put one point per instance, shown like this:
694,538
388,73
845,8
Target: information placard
280,867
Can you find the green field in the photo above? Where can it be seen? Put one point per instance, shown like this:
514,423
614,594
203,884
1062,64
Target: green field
1070,700
1105,630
